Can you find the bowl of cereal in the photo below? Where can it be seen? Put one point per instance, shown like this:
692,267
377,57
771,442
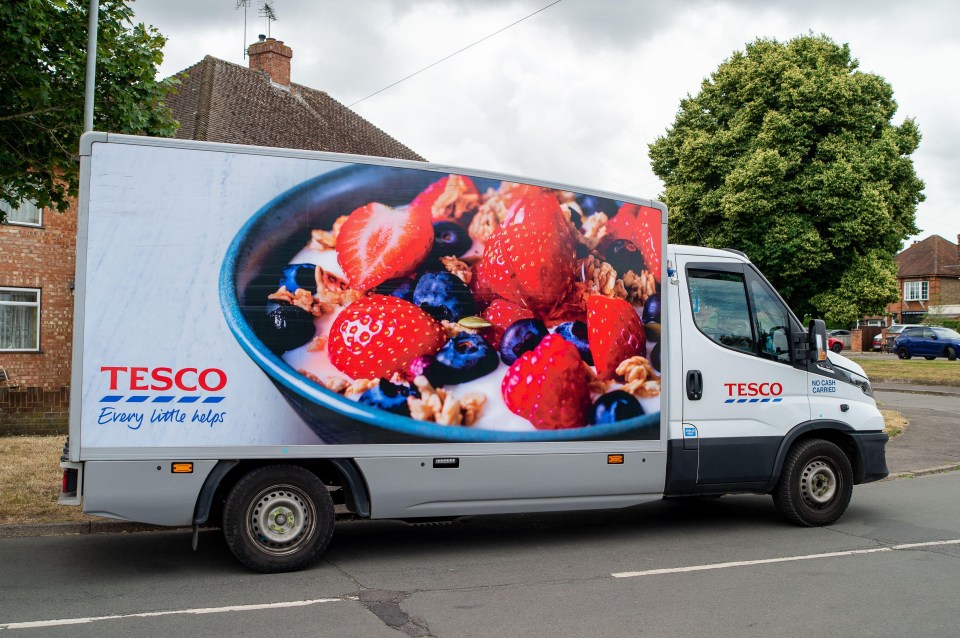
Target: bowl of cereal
397,305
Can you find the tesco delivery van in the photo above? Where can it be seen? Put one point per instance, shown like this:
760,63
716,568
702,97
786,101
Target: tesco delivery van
262,333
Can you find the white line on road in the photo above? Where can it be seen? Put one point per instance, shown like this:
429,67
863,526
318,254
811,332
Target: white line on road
782,559
151,614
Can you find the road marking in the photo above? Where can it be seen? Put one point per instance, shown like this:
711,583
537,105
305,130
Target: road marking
782,559
151,614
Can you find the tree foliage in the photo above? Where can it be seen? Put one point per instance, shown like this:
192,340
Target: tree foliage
42,73
788,153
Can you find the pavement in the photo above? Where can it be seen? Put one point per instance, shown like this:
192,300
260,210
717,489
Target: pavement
930,444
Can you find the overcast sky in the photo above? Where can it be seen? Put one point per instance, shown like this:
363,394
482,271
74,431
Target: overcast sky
576,92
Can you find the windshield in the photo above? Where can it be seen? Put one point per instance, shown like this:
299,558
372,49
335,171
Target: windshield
946,333
895,329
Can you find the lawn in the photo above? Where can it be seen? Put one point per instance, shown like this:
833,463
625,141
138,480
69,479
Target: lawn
916,370
30,481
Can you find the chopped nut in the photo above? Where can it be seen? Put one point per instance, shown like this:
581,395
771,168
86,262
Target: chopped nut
457,268
456,200
599,276
484,223
302,298
639,287
359,386
453,328
639,377
594,229
317,344
327,239
441,407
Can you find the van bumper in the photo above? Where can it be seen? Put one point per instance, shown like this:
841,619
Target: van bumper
873,456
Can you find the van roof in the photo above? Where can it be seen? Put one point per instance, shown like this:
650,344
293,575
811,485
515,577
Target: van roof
701,251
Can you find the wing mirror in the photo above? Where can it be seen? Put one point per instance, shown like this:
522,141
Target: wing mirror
817,341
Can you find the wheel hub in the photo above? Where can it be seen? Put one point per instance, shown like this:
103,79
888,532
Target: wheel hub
279,517
818,483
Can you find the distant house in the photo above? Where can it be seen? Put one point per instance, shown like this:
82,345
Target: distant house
216,101
929,276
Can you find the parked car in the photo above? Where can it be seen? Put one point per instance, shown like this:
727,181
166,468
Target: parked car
881,345
842,335
927,342
835,344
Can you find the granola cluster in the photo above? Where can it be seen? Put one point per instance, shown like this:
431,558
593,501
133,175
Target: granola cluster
440,406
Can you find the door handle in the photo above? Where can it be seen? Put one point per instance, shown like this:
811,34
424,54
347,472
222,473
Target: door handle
694,385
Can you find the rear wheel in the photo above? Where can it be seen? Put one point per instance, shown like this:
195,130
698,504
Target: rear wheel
903,353
837,347
278,518
816,483
951,353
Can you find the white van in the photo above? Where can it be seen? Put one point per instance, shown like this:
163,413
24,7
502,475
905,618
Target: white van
261,333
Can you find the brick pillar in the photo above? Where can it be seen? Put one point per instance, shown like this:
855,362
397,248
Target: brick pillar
272,56
856,341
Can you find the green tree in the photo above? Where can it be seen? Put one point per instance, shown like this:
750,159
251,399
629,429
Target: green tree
41,103
788,153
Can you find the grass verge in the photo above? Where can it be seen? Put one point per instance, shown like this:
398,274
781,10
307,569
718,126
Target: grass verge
916,370
30,481
894,423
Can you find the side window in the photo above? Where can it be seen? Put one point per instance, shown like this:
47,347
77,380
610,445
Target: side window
720,308
773,322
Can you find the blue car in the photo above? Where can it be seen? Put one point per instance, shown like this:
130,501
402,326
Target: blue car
927,342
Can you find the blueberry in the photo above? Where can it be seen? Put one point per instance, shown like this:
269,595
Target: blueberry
655,357
286,328
402,288
443,296
299,276
390,397
464,357
624,255
521,336
576,333
590,204
449,239
651,309
616,406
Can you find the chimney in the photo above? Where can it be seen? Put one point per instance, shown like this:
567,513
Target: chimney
270,55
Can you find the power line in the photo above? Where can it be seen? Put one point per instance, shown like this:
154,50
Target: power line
487,37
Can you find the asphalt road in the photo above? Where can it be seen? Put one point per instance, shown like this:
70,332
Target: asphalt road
932,437
728,567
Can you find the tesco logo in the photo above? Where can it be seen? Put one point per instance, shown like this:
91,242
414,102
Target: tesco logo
163,379
753,389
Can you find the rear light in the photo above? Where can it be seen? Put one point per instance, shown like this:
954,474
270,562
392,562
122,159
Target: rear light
69,484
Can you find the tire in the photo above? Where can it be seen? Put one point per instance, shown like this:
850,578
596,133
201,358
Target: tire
837,347
816,483
903,353
951,353
278,518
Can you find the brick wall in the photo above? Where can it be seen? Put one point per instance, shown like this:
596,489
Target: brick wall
35,395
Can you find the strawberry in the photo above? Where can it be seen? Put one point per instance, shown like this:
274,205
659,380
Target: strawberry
548,386
501,313
615,333
449,198
530,260
641,225
376,336
377,243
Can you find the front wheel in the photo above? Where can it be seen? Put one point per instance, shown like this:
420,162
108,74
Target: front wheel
903,353
951,353
278,518
816,483
837,347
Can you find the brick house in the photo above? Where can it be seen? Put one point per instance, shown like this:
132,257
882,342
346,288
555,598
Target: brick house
216,101
929,276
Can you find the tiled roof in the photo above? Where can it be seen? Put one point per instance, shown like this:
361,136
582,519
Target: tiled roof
218,101
932,256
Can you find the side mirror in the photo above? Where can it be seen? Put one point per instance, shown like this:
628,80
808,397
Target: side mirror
817,340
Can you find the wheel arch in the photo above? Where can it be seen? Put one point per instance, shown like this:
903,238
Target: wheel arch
336,473
837,432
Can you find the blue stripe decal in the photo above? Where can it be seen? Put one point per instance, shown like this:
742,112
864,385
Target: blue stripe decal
213,399
777,400
188,399
730,401
111,398
754,400
163,399
765,400
741,400
137,398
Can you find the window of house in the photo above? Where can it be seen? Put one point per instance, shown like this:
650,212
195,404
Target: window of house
26,214
916,291
19,319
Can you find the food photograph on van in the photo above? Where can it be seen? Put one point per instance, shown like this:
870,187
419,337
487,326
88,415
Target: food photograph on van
468,305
